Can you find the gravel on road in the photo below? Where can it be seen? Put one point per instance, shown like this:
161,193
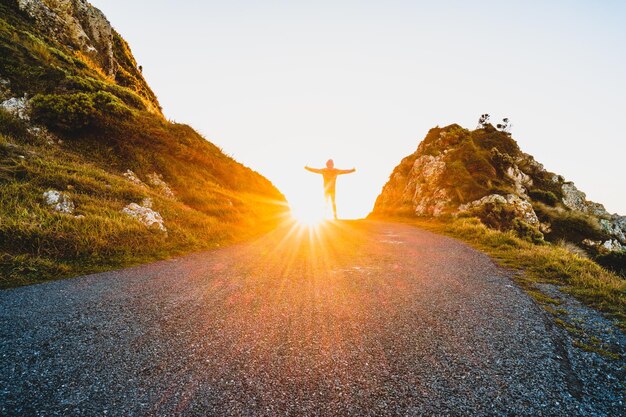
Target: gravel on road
355,318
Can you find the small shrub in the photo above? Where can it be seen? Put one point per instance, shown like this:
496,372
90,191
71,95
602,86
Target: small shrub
547,197
571,226
12,126
75,112
496,216
527,232
68,112
489,138
501,161
613,261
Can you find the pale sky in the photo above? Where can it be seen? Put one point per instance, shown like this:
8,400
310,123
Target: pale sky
278,85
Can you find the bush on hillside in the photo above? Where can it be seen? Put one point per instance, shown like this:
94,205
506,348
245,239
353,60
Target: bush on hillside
12,126
546,197
500,161
527,232
75,112
504,218
614,261
489,138
571,226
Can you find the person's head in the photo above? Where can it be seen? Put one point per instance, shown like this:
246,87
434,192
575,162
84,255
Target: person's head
330,164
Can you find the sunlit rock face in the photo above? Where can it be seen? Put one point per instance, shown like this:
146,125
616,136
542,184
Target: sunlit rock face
483,173
81,27
78,24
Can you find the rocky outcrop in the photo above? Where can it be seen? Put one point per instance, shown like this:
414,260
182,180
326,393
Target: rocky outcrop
85,32
456,171
132,177
78,24
521,181
575,199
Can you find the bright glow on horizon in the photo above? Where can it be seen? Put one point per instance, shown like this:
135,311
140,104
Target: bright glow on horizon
282,85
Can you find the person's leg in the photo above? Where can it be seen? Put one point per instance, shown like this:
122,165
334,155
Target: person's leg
327,200
332,199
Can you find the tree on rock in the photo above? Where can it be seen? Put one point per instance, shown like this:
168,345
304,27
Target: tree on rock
505,126
483,121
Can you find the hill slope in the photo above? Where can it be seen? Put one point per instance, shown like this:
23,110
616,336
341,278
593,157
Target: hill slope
484,173
91,174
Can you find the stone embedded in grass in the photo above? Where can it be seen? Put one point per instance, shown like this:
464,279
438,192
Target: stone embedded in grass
145,215
132,177
59,201
156,180
17,107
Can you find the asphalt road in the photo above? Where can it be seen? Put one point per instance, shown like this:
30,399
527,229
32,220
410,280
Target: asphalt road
354,319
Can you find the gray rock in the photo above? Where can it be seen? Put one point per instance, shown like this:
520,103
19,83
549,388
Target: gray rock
520,180
17,107
132,177
146,216
575,199
613,245
59,201
615,226
156,180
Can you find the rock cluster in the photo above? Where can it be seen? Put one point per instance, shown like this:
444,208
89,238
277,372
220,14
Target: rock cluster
59,201
132,177
156,180
145,215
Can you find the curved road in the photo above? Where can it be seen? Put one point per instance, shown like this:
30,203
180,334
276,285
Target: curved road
353,319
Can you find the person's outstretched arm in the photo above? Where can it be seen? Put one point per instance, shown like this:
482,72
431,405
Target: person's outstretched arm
346,171
317,171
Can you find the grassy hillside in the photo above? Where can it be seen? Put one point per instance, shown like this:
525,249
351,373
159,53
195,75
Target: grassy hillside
86,129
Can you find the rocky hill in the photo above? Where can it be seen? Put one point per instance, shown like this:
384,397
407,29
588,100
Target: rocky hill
483,173
92,176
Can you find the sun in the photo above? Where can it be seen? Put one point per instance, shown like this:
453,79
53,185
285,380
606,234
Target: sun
308,216
308,212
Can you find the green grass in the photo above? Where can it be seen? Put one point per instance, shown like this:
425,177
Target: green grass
38,244
576,275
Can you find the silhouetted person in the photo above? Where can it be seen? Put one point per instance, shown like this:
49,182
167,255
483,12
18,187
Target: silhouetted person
330,179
